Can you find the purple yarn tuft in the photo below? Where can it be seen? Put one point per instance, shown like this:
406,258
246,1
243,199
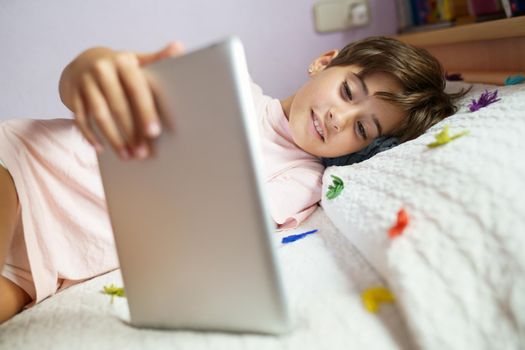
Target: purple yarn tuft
484,100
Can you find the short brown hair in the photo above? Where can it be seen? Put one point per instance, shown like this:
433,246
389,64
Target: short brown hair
419,73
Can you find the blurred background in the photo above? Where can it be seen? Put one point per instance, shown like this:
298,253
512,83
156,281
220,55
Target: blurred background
39,38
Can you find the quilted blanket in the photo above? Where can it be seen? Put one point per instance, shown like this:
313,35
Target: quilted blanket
324,277
458,267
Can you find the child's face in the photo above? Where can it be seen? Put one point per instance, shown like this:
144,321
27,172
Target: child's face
335,113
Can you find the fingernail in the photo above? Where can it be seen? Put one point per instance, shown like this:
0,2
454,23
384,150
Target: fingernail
141,151
153,129
124,154
98,148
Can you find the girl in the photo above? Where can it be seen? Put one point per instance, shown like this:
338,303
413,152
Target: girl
54,228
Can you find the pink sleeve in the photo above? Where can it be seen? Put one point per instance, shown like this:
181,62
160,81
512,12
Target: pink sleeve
293,196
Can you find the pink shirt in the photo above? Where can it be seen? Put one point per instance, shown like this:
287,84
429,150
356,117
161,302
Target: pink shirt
293,176
63,233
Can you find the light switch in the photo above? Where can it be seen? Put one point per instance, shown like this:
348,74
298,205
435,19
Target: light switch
359,14
337,15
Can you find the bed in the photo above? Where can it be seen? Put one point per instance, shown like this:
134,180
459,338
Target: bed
456,267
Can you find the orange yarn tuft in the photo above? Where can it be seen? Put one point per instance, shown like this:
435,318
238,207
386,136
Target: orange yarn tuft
399,227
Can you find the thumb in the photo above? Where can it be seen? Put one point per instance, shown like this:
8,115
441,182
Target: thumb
171,50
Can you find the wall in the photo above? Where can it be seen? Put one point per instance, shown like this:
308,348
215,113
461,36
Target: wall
38,38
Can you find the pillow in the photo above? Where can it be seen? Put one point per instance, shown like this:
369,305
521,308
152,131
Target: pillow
378,145
423,180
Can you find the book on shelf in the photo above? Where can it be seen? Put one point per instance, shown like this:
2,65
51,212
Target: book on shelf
420,15
484,7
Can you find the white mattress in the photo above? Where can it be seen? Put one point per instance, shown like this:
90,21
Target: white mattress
324,276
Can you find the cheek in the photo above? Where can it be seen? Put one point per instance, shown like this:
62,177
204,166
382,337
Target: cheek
311,94
299,109
346,143
301,100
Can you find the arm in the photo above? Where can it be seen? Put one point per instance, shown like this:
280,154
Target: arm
293,195
108,88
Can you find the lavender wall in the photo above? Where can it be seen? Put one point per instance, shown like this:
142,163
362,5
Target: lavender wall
38,38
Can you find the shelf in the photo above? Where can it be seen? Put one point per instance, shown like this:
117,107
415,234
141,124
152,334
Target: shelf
490,30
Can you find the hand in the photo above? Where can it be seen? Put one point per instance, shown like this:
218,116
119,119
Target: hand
108,88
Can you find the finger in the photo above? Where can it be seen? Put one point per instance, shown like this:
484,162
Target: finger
99,111
82,122
139,94
170,50
110,85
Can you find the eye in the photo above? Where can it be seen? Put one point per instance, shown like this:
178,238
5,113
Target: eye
361,130
346,92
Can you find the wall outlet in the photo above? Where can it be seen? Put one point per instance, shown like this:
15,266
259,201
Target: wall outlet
339,15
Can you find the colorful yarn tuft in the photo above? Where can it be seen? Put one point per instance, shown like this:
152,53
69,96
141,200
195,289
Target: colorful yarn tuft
293,238
484,100
335,188
514,80
453,77
374,296
401,224
113,291
443,137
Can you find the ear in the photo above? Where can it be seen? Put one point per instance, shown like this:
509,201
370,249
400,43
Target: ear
321,62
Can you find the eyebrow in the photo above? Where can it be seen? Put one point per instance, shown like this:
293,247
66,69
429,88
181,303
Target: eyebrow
362,82
378,126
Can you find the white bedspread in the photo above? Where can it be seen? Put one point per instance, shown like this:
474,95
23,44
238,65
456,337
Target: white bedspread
458,270
324,277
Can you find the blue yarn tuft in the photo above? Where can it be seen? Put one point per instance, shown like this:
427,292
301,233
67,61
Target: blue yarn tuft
293,238
514,80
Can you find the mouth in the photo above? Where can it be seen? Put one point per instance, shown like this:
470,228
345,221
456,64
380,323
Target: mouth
317,126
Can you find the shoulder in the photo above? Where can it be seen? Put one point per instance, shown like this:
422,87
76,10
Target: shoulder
260,100
37,125
52,136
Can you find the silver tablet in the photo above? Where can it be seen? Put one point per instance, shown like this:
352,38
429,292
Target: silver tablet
190,224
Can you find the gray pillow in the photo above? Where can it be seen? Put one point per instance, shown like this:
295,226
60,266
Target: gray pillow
380,144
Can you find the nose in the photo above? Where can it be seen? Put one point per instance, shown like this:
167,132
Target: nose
340,119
